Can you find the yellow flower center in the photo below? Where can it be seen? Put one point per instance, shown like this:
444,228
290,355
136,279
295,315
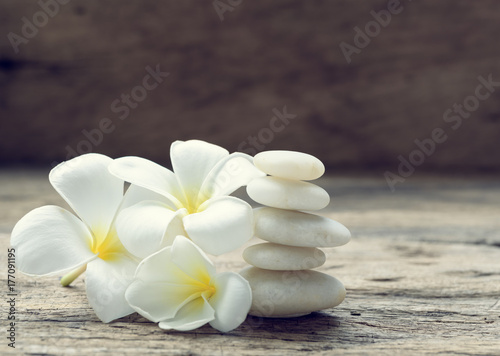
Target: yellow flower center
209,292
202,286
192,200
191,205
106,245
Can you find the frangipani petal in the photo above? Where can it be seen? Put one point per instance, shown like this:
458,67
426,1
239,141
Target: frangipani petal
224,225
193,315
231,301
159,301
229,174
142,227
106,282
159,268
88,187
149,175
192,260
198,297
192,161
136,194
51,240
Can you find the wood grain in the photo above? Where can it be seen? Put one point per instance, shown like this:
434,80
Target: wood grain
228,76
422,274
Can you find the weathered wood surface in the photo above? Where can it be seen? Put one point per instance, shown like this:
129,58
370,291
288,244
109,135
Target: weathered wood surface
422,274
227,76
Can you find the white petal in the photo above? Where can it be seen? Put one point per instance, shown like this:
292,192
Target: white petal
192,161
149,175
136,194
142,227
106,282
159,268
191,316
231,301
230,173
50,240
159,301
192,260
224,225
88,187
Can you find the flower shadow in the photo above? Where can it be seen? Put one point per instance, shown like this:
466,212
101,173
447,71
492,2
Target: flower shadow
317,326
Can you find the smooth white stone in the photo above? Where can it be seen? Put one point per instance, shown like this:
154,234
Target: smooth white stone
295,228
287,194
283,258
289,164
291,293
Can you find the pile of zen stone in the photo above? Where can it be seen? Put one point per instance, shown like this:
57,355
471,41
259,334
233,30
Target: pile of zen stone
282,282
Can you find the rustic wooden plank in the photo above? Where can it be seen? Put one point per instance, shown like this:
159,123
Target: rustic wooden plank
226,78
407,292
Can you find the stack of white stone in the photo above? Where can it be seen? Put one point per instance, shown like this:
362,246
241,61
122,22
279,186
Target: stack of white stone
282,282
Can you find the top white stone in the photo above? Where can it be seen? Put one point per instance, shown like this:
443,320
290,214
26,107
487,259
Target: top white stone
289,164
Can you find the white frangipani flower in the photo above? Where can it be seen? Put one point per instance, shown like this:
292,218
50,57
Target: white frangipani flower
50,240
192,201
178,287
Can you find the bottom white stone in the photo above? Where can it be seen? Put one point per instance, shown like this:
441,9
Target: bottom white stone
282,294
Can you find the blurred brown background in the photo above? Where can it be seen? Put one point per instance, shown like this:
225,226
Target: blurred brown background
233,65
